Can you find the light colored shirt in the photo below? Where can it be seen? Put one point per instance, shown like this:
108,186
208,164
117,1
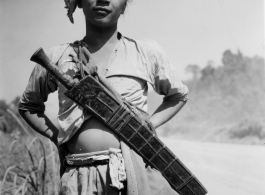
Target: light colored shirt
132,65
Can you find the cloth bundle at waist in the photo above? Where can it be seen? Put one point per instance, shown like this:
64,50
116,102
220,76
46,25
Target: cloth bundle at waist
113,157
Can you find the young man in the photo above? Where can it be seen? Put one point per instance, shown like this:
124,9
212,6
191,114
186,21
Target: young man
128,65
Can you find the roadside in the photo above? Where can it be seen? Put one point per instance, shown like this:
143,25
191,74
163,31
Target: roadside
223,168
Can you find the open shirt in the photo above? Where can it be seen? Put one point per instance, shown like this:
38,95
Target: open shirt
132,65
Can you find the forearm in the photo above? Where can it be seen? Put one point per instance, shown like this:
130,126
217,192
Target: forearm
165,112
41,123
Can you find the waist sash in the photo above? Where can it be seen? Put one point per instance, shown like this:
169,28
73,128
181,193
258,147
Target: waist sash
113,157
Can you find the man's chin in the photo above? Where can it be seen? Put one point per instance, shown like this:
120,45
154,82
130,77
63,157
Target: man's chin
102,23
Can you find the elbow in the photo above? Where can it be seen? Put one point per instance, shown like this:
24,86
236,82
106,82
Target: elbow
184,94
22,113
185,97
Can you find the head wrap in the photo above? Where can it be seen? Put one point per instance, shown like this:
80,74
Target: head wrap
71,5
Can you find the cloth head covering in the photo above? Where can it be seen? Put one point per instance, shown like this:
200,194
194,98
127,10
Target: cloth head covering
71,5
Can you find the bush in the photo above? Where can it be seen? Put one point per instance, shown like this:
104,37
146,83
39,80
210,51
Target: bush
247,129
28,165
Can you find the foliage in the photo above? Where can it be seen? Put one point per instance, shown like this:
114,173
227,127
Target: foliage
223,97
195,70
28,165
8,123
247,128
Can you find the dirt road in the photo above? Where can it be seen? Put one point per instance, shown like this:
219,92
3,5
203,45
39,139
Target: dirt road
224,169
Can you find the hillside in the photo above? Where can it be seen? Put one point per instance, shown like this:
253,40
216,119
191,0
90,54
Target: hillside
226,103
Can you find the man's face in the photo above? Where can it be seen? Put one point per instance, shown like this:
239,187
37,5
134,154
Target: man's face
103,13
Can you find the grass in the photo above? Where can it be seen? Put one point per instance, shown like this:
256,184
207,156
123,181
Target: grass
28,165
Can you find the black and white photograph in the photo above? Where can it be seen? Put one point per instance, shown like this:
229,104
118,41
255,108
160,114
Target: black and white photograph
132,97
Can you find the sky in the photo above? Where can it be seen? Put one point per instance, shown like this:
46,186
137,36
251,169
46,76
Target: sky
190,31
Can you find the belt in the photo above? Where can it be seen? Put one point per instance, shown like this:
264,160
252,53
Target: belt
87,162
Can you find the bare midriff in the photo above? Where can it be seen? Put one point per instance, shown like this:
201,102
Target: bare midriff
93,136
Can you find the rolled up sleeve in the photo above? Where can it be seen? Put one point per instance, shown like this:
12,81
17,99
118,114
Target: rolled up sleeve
40,84
166,79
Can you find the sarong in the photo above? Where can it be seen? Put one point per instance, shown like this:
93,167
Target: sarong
141,179
91,179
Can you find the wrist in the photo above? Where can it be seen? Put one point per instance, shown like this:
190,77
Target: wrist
152,123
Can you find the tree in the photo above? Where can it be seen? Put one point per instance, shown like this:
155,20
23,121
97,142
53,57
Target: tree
195,70
208,70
